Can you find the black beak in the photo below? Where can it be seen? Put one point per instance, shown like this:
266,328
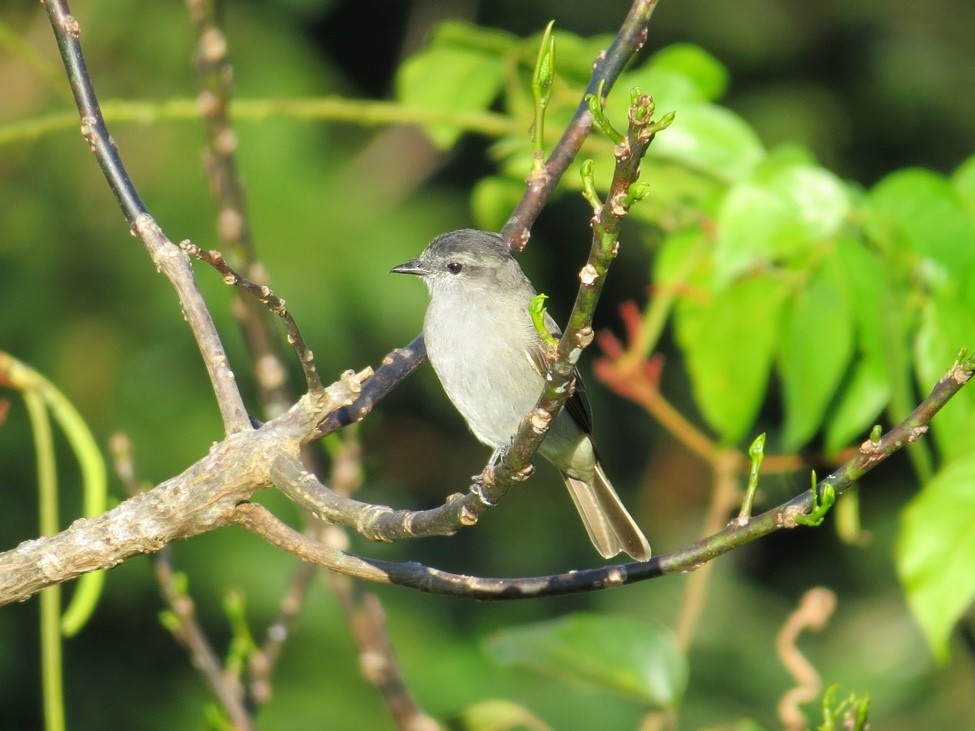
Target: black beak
413,266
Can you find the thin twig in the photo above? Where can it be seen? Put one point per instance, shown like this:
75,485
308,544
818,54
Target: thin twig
724,497
606,69
215,76
263,662
396,366
165,255
274,304
377,662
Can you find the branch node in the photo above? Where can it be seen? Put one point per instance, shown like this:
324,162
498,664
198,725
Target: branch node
71,26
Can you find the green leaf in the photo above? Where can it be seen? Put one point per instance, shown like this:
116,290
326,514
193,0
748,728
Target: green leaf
669,89
867,390
964,183
681,262
820,199
782,214
751,221
815,348
616,654
860,403
919,211
704,71
945,328
936,552
576,54
498,714
469,36
492,201
449,78
728,339
712,139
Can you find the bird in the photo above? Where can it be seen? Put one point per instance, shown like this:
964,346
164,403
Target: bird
491,361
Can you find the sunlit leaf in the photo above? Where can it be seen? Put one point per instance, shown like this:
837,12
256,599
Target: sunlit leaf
781,214
964,183
498,714
615,654
921,212
945,329
713,139
820,198
463,35
705,72
867,390
752,219
859,404
816,343
936,552
575,55
669,89
679,263
449,78
728,339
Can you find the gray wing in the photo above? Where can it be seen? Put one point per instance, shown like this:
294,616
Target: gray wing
578,403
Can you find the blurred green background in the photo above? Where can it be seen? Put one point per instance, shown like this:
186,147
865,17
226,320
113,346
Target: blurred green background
869,87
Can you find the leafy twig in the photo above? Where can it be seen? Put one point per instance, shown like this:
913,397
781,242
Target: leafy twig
606,69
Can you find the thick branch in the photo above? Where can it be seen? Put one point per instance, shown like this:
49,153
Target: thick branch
200,499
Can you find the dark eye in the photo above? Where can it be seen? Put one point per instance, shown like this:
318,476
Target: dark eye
454,267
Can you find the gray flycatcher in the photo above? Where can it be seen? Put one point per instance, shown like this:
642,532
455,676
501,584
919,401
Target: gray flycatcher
490,360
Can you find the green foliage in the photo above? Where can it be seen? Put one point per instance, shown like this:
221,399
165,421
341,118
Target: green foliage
850,714
856,300
772,269
462,69
625,656
936,551
497,714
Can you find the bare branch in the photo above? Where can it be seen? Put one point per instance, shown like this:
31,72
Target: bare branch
215,76
201,498
396,366
165,255
274,304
